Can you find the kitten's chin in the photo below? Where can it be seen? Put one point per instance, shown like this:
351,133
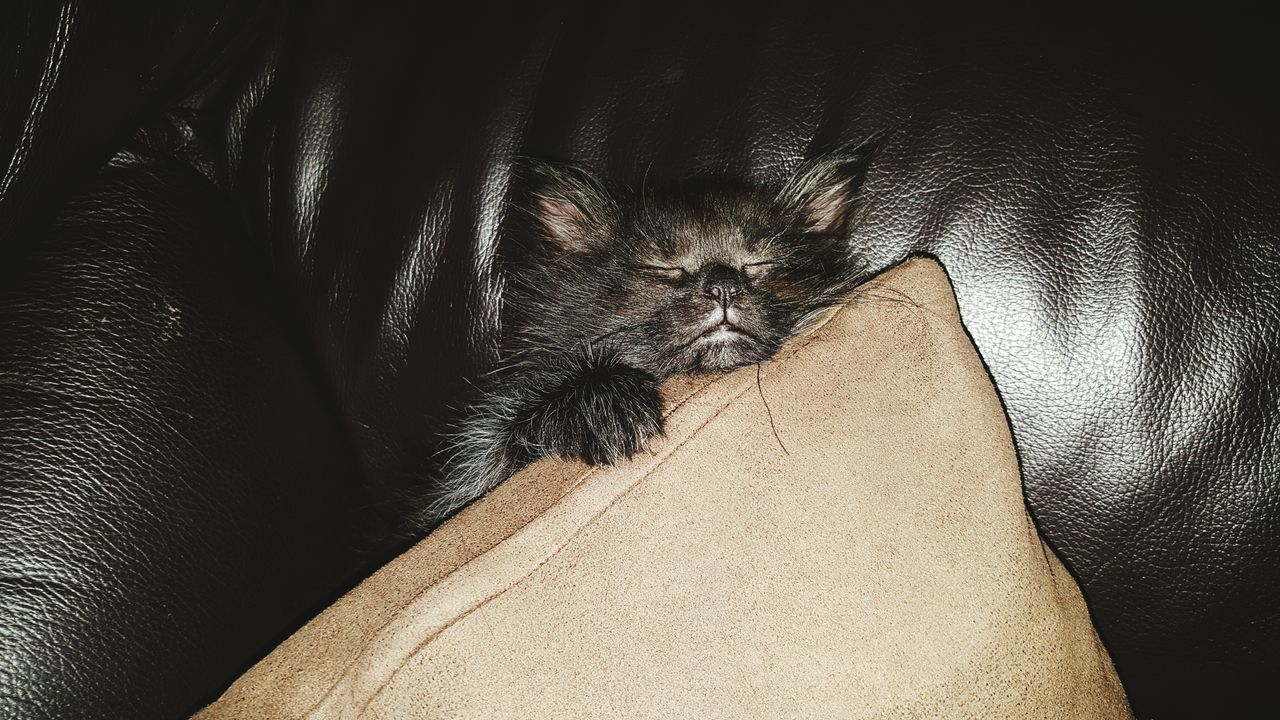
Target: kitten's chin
719,363
726,350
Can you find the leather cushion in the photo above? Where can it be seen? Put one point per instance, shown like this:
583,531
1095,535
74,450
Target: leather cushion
173,488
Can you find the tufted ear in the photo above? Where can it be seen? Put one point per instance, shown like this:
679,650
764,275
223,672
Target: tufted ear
571,206
822,191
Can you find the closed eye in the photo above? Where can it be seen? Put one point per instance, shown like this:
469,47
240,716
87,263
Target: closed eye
756,269
663,273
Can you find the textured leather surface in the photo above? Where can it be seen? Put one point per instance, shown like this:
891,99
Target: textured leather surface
171,487
79,75
1102,189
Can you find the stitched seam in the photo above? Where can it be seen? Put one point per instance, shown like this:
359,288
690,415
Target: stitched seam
550,556
801,344
400,609
45,87
746,388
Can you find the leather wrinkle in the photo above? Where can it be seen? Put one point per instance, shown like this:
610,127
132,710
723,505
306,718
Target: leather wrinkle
133,480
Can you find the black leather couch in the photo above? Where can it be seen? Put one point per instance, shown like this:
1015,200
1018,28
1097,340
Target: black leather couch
246,262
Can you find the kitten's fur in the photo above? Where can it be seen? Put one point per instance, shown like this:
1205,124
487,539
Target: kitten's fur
619,289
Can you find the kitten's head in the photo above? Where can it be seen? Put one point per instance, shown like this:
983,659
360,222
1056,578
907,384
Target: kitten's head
706,274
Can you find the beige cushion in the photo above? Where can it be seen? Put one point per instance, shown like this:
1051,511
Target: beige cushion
837,534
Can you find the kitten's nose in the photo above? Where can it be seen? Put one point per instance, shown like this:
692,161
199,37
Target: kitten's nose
722,283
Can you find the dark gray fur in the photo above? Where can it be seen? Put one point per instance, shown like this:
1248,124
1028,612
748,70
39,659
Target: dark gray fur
619,289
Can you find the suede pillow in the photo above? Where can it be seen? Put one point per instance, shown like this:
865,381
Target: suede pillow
839,533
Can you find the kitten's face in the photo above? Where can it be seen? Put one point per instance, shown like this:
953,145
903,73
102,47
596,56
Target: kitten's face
699,276
713,279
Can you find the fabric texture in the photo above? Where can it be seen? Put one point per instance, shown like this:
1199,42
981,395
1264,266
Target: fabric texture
837,533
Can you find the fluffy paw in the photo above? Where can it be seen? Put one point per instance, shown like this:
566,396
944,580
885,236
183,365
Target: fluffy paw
601,414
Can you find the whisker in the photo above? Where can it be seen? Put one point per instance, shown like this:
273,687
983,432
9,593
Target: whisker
769,412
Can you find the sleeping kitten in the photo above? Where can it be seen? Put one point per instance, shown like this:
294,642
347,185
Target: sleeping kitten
618,290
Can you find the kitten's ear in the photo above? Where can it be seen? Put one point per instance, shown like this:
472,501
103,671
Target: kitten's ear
568,203
822,191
